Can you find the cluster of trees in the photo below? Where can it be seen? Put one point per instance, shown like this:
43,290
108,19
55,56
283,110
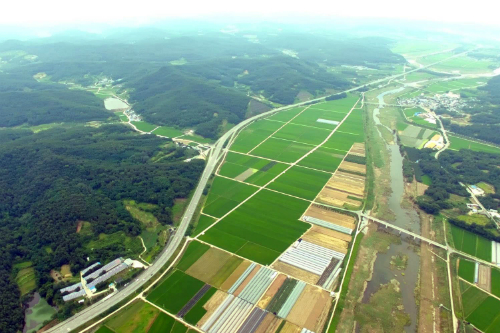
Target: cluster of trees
25,101
171,97
335,97
55,178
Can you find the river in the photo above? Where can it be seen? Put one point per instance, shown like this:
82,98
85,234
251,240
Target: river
405,218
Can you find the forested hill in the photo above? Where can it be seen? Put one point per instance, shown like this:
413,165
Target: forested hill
52,179
170,97
26,101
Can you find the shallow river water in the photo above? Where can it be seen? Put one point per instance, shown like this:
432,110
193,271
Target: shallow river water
404,218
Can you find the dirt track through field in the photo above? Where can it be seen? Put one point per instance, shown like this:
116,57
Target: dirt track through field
235,275
271,291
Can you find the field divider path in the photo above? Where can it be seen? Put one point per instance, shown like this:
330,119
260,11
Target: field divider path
280,174
264,158
319,128
288,122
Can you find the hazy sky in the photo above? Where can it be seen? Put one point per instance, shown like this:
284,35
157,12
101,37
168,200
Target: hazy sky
55,12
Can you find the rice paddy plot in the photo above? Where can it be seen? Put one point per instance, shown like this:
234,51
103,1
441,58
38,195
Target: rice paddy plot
353,124
466,270
224,195
136,317
173,293
486,316
203,223
282,150
457,143
193,252
162,324
300,182
254,134
495,282
319,118
303,134
261,228
250,169
342,141
323,159
339,105
471,243
170,132
451,85
143,126
286,115
465,64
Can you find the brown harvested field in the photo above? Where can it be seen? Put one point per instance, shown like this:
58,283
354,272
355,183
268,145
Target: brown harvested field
338,198
358,149
269,325
290,328
331,216
484,278
271,291
244,175
353,167
208,265
295,272
211,305
331,233
307,311
326,241
235,275
347,182
245,282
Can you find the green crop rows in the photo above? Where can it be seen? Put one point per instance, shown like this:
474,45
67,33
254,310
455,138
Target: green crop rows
470,243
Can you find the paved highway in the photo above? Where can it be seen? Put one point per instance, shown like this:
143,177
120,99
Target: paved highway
103,305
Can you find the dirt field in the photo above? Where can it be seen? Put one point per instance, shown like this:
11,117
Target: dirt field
79,226
208,265
66,271
331,233
269,325
296,272
273,289
290,328
337,198
484,278
211,305
235,275
245,282
353,167
244,175
307,311
326,241
358,149
331,216
347,182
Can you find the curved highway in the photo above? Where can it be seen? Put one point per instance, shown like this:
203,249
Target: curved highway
103,305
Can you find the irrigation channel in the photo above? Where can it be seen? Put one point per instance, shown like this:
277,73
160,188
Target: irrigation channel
404,218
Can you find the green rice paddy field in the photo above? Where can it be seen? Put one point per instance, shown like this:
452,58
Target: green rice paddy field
144,126
282,150
323,159
451,85
254,134
260,229
173,293
224,195
457,143
480,310
285,116
466,270
263,170
304,134
471,243
203,223
197,312
170,132
301,182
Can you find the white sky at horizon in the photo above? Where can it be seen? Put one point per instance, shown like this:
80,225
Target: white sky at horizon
30,13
